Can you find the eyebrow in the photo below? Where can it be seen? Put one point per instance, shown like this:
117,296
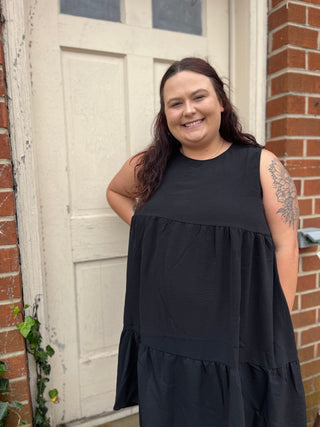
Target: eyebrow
192,94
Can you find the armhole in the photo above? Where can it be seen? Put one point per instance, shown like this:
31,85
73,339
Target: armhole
259,172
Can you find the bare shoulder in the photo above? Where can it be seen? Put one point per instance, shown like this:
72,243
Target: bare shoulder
124,182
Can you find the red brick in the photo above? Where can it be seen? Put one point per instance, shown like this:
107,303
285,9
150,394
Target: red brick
306,353
314,17
8,233
305,206
311,187
10,287
4,147
312,222
6,316
11,341
312,1
19,390
317,381
7,207
305,283
297,36
16,366
295,127
305,167
9,260
2,84
3,115
286,104
314,61
310,335
293,13
275,2
1,53
311,368
295,82
317,206
297,183
25,414
306,250
314,107
287,58
6,176
308,386
286,147
313,146
311,299
295,303
303,318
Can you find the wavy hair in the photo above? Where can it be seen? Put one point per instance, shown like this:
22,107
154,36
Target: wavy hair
153,161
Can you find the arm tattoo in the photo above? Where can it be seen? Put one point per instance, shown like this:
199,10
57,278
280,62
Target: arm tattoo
286,193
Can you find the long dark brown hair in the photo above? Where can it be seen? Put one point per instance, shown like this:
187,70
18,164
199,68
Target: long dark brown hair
152,163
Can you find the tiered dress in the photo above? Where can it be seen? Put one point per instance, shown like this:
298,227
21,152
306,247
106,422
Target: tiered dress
208,339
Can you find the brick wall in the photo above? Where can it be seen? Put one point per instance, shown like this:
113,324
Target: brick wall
293,134
12,345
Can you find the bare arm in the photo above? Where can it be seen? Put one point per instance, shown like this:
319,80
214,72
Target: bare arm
282,214
121,189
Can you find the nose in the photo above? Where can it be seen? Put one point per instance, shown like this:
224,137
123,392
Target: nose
189,108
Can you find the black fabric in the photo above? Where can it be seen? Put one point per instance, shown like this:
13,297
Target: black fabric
207,339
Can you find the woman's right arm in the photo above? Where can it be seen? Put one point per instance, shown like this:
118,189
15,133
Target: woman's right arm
121,188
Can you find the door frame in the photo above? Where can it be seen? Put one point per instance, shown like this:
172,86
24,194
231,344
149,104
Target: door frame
248,40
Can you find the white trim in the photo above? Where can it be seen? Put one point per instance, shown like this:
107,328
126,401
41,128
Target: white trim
248,57
24,167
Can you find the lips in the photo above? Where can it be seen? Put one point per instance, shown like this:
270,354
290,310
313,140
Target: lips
192,124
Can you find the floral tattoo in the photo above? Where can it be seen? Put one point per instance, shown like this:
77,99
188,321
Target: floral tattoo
286,193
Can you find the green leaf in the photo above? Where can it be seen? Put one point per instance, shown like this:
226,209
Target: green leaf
26,306
16,311
3,368
4,384
50,350
41,354
26,326
53,394
4,406
46,369
17,404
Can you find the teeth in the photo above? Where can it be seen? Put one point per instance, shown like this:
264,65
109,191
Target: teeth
193,123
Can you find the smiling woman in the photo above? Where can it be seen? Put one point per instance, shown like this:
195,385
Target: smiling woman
212,268
193,113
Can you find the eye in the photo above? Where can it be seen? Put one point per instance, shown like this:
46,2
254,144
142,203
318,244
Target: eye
199,97
176,104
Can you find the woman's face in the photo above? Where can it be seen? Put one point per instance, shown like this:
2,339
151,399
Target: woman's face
192,109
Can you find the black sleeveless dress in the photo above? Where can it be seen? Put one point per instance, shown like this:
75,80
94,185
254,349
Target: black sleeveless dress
208,339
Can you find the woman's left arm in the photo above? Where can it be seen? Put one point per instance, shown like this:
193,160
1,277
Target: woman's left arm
282,214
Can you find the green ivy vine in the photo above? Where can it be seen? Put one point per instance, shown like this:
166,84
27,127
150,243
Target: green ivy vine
30,330
7,407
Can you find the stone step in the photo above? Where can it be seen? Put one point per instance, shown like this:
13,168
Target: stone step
132,421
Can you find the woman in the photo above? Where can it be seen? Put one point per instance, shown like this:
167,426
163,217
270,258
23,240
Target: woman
212,268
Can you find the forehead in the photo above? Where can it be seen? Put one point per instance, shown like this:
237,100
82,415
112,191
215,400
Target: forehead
185,82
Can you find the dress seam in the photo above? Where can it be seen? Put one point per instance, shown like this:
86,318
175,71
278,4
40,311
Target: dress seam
206,225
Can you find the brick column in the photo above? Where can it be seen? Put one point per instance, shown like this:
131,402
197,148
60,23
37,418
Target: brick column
12,345
293,134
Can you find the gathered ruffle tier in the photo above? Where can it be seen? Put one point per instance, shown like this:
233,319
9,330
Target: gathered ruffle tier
207,339
179,391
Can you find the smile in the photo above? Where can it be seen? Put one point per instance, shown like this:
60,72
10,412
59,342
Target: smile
193,124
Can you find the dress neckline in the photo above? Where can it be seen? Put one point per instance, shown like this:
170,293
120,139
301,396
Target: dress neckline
206,160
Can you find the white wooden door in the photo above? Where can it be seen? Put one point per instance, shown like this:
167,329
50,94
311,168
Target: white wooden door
94,87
